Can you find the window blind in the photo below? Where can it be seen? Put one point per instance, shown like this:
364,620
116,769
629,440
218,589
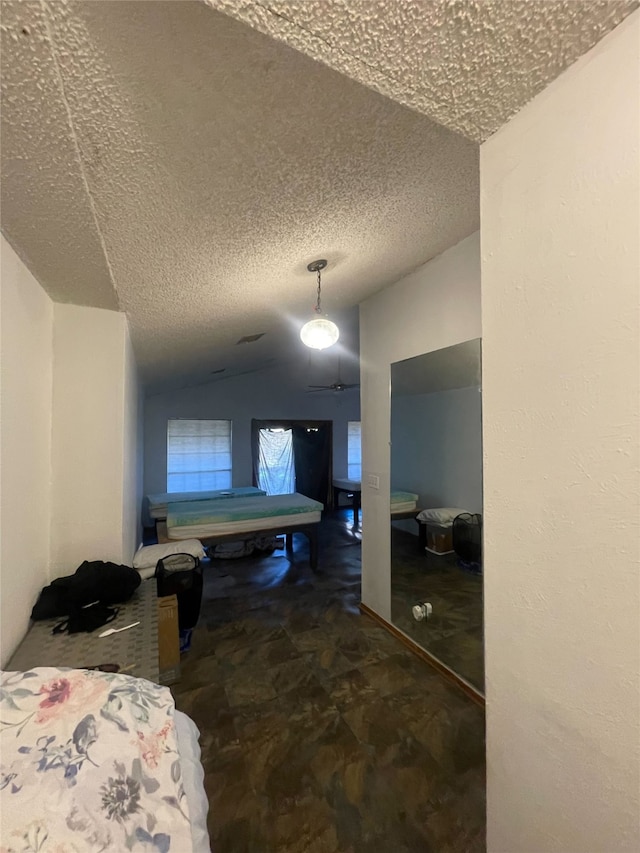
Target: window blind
198,455
354,453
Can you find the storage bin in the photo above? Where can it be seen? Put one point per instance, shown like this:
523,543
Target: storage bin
439,538
181,575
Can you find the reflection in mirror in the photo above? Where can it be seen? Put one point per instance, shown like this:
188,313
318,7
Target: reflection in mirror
436,454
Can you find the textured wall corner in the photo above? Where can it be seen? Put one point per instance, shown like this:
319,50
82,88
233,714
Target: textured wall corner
467,64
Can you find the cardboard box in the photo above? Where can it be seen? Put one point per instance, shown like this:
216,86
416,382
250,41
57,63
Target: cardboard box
168,640
439,539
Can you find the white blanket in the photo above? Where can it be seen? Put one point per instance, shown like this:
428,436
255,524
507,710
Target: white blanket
89,762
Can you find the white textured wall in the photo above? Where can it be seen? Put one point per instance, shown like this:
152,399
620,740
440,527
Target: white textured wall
434,307
88,437
265,395
26,331
436,448
561,385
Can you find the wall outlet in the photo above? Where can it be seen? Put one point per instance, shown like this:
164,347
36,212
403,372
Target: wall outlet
373,481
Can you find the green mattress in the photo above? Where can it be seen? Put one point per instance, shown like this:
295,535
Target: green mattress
402,497
158,504
239,509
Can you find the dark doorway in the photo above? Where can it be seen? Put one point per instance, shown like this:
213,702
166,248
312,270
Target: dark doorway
312,455
312,459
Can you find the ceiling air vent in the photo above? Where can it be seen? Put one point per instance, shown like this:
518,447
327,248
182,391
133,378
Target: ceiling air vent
250,339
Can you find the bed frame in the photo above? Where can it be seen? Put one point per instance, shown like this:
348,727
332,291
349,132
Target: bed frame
310,530
422,527
355,501
395,516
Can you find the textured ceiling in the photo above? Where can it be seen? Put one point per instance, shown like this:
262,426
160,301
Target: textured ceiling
167,160
46,210
467,64
218,162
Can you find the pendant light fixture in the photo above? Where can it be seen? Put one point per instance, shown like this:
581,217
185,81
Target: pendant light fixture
320,332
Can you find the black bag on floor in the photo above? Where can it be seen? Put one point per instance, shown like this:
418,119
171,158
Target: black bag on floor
52,601
181,575
108,583
87,618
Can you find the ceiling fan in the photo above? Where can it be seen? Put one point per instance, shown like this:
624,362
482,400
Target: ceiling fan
335,386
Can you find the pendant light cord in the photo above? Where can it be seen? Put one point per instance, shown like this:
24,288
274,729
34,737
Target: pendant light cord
318,311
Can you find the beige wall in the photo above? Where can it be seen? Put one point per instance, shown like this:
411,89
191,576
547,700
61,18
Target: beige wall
87,460
436,306
26,331
133,460
70,430
89,437
561,384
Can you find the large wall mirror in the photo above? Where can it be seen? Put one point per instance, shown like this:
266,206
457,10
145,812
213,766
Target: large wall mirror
436,454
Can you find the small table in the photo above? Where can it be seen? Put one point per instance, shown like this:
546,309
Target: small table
349,487
137,646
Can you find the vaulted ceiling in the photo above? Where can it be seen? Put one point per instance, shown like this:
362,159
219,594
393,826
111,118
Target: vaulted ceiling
184,163
467,64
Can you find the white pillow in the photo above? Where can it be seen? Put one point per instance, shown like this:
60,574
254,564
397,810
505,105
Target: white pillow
439,515
147,556
146,574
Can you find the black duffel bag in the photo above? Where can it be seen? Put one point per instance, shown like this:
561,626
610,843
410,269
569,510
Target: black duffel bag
87,618
108,583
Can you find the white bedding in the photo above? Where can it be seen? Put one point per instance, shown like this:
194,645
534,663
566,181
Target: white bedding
147,556
90,761
188,736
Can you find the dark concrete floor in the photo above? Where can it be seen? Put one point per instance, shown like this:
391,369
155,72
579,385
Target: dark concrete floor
320,732
454,633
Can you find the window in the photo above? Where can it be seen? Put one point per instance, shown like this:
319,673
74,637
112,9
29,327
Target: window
198,455
354,455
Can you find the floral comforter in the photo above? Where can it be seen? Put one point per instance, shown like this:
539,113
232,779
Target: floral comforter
89,762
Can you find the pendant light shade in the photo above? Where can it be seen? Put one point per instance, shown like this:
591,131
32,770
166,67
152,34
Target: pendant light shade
320,332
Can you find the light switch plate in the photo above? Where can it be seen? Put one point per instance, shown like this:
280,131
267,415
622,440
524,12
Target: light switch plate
373,481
